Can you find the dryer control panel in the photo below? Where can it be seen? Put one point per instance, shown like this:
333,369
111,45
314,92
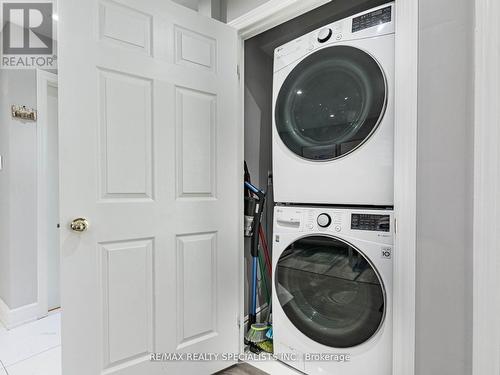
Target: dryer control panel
371,23
371,19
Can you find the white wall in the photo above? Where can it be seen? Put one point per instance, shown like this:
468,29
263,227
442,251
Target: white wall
444,191
4,193
18,258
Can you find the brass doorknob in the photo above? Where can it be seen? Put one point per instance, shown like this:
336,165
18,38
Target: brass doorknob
79,224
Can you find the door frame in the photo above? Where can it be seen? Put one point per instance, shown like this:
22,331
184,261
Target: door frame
275,12
486,249
44,79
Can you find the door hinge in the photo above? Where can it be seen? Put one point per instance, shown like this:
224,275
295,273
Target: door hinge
395,226
238,72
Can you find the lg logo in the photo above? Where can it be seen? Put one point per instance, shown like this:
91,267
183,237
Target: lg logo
386,252
27,29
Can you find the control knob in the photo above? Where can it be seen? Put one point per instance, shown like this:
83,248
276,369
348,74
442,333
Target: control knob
324,34
324,220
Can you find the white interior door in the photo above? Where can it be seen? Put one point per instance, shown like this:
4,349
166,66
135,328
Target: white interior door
149,150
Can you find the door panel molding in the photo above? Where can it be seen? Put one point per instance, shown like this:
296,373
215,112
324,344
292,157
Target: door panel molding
126,27
196,123
131,159
195,50
196,254
127,285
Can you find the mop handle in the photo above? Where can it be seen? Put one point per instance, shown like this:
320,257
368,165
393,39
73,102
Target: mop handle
253,188
253,307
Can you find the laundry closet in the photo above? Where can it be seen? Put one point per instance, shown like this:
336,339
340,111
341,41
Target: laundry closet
164,249
330,201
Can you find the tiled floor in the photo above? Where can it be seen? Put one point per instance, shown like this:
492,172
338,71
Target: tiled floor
35,349
274,368
260,368
32,349
242,369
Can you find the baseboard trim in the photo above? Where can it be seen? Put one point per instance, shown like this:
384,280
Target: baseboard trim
12,318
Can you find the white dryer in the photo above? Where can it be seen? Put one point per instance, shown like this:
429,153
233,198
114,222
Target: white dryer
333,113
332,289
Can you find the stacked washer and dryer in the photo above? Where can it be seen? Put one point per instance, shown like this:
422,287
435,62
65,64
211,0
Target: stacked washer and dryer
333,96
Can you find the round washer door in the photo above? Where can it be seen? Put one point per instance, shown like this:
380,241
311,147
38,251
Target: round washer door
331,103
330,291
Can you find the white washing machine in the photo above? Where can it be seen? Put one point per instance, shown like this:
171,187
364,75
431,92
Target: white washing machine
332,290
333,113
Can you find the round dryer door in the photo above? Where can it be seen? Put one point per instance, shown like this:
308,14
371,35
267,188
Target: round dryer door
331,103
330,291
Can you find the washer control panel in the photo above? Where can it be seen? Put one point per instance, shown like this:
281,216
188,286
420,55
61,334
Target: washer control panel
369,224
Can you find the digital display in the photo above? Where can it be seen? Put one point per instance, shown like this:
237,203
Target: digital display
371,19
377,223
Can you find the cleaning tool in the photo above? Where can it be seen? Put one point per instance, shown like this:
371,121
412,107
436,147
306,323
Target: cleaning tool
267,344
259,197
257,333
257,336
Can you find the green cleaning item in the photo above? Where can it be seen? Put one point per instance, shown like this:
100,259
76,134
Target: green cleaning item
257,333
266,346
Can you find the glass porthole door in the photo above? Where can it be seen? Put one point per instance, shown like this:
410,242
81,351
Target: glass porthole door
331,103
330,291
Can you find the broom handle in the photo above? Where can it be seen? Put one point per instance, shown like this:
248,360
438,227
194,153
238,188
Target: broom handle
263,278
253,307
266,250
